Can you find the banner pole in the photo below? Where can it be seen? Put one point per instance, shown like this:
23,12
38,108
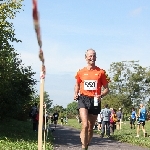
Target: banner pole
40,128
44,146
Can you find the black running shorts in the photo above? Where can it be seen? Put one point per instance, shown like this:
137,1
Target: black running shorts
141,122
88,103
55,119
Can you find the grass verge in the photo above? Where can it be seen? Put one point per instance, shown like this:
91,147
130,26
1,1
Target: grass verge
129,135
18,135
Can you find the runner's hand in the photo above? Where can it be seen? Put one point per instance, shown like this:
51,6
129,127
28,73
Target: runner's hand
76,96
99,97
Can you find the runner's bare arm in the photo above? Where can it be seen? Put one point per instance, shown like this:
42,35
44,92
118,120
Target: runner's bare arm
76,90
139,112
105,91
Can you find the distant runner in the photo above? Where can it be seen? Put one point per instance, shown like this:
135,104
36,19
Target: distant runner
141,119
133,118
66,120
55,118
62,120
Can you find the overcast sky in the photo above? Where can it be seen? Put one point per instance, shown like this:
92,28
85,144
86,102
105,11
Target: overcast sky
118,30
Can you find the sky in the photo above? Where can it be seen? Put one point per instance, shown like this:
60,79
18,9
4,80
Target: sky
119,30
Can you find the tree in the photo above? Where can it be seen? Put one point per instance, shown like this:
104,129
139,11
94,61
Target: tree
72,109
128,83
17,83
47,101
57,108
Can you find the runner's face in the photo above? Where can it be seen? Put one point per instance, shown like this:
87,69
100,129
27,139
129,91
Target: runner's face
91,57
141,105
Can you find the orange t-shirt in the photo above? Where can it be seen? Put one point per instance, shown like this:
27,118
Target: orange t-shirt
91,81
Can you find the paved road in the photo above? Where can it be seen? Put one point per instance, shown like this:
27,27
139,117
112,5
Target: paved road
68,138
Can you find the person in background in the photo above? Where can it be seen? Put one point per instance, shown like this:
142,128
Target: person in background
106,121
141,119
33,114
66,120
99,120
119,118
113,119
78,116
55,118
36,120
96,125
111,109
62,120
133,118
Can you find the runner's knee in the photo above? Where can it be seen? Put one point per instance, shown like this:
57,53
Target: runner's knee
90,130
84,125
91,125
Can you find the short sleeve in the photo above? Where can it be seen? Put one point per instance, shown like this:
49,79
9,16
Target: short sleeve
104,78
77,76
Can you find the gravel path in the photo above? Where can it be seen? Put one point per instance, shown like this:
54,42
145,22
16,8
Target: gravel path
68,138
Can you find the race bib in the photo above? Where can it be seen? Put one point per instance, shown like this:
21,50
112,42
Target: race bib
90,84
56,116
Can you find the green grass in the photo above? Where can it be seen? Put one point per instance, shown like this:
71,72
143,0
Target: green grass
18,135
128,135
72,123
125,134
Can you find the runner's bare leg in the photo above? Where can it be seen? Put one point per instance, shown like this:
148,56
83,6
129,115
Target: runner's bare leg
91,123
84,129
143,129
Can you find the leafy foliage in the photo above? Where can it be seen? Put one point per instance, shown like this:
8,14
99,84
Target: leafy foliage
17,83
47,100
57,108
129,85
72,109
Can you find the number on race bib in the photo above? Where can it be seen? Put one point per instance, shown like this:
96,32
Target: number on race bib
90,85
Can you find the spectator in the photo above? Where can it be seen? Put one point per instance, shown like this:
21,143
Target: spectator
33,114
119,118
99,120
133,118
106,121
113,119
141,119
